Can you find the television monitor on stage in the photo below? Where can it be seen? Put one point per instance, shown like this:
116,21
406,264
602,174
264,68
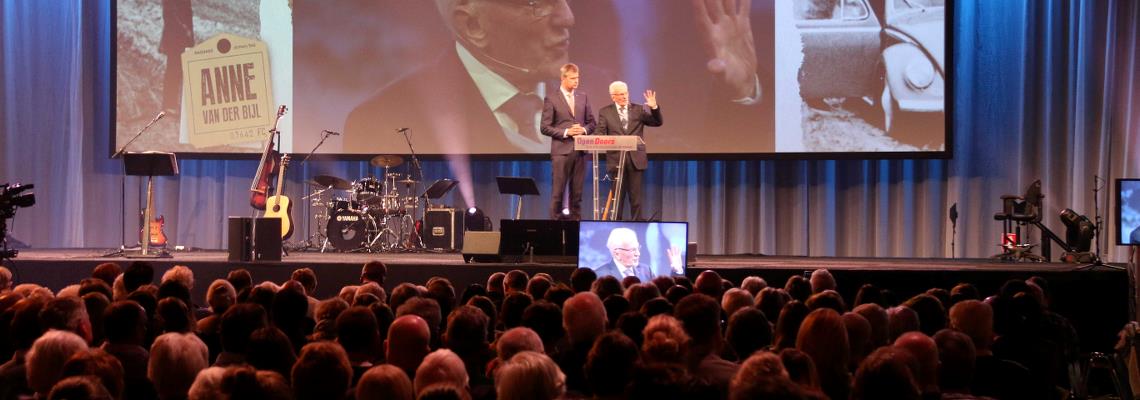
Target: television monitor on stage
651,248
1128,212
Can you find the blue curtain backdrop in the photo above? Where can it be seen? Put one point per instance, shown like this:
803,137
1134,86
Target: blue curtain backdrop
1045,89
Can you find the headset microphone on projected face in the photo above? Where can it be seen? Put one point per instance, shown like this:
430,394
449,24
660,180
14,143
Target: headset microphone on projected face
482,54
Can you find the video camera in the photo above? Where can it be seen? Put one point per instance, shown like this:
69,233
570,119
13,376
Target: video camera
12,197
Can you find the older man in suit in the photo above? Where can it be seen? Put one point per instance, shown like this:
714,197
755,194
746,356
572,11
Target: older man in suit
625,118
625,251
566,113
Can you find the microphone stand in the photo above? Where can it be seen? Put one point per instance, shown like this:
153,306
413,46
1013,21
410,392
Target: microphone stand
123,191
415,188
309,243
1096,261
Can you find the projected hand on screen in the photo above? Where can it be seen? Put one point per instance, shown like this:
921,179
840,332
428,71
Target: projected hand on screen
676,262
726,32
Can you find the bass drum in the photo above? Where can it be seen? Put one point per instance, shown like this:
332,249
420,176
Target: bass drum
348,230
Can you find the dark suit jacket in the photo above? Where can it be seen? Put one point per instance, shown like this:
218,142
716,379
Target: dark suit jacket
642,271
556,118
609,123
441,104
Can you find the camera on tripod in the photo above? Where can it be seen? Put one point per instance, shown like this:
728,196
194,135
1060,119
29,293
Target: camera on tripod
12,197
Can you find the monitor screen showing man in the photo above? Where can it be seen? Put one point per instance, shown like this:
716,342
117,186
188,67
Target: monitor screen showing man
642,249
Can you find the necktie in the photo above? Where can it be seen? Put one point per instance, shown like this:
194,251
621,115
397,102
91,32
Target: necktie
523,108
570,101
624,117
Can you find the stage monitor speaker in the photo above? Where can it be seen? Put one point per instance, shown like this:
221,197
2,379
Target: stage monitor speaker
443,229
481,246
254,239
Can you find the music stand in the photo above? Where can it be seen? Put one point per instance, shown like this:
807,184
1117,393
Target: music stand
149,164
438,189
518,186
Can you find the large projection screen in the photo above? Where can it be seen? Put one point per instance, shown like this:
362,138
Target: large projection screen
734,78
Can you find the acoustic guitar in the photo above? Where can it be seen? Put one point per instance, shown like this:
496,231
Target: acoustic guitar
279,205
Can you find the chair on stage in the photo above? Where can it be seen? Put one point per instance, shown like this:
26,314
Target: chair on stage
1018,212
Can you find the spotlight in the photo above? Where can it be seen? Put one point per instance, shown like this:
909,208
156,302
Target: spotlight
476,220
1079,231
566,212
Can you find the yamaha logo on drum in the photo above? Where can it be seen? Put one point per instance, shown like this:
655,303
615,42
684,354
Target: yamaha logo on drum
348,218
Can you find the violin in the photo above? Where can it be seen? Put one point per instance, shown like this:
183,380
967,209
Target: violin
259,191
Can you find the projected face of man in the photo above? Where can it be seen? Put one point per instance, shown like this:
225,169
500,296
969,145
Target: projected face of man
620,95
531,35
626,250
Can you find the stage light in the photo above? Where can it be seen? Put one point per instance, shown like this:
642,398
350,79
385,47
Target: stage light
1079,231
475,220
566,212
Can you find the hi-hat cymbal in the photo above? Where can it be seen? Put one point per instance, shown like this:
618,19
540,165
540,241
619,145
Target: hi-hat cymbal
325,181
408,181
386,161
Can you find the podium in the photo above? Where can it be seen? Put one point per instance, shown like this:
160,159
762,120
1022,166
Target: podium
518,186
149,164
597,144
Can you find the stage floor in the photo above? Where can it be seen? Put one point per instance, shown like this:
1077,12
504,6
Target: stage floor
1096,300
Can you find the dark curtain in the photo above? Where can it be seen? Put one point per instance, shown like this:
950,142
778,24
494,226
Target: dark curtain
1044,89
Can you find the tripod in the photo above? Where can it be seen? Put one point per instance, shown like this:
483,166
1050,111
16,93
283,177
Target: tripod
1098,221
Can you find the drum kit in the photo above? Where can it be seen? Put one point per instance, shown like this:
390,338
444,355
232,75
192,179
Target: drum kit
370,214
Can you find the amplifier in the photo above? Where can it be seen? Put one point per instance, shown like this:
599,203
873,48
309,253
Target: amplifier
443,229
254,239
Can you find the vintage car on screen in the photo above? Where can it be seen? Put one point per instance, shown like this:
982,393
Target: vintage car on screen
898,66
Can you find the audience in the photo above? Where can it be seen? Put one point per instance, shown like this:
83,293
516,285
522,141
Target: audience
524,336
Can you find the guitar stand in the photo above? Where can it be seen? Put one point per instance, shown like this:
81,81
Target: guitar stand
150,165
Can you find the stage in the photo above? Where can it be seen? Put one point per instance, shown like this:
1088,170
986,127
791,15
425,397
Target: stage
1096,300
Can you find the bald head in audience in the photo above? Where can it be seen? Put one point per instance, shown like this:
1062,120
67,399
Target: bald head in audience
385,381
408,343
517,340
976,320
441,366
925,351
583,317
900,320
821,279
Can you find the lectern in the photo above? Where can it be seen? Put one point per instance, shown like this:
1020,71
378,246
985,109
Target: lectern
603,143
150,164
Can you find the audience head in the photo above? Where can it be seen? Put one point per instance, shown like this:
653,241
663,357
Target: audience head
665,341
238,323
441,290
220,296
869,294
606,286
700,315
427,309
735,299
748,331
138,273
676,293
529,375
923,349
441,366
610,363
762,376
516,340
900,320
79,387
107,272
956,358
94,285
358,333
827,299
173,315
240,279
181,274
372,289
175,360
374,271
45,360
559,294
640,293
98,363
800,367
631,324
125,322
402,293
821,279
788,324
271,350
466,331
615,306
931,314
975,319
824,337
753,284
385,382
798,287
584,318
322,371
709,283
582,279
308,279
408,342
537,286
515,281
495,282
514,304
69,314
886,374
544,318
877,317
964,291
858,338
770,301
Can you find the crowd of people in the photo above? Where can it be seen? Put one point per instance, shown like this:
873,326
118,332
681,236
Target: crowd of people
119,334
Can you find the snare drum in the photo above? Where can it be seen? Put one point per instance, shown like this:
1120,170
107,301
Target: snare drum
367,190
341,203
392,204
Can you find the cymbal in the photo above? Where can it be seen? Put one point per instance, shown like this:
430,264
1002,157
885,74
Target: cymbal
386,161
330,181
407,181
